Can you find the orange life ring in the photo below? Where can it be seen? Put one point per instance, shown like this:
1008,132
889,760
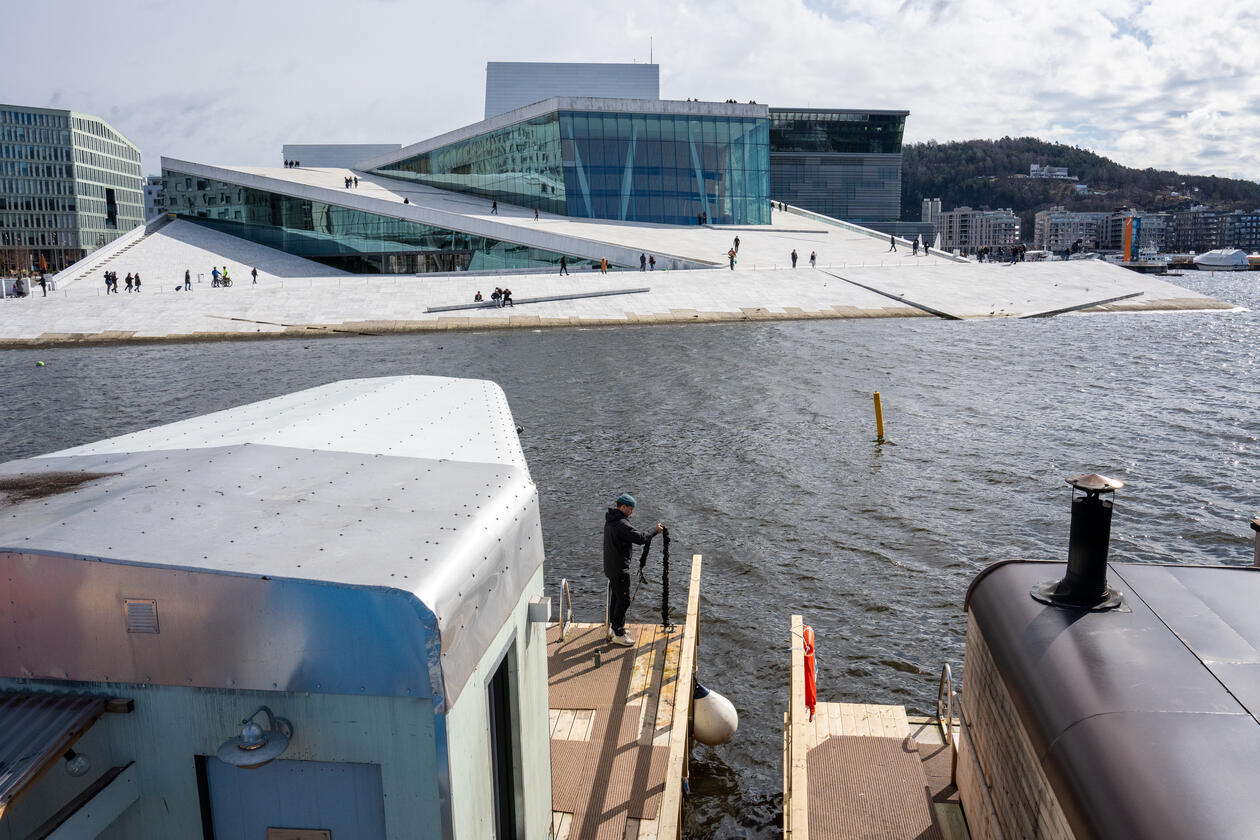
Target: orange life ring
811,686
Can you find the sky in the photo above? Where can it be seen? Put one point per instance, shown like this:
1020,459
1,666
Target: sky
1169,84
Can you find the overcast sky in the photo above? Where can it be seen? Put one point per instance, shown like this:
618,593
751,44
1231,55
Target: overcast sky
1173,84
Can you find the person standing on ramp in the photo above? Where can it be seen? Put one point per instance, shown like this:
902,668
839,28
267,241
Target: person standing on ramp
619,535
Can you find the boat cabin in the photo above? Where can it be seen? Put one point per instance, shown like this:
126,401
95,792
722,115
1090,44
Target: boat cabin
316,616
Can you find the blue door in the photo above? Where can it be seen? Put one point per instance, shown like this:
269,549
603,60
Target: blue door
345,800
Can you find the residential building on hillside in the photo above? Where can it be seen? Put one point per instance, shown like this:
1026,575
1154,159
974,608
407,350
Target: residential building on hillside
515,84
967,230
1058,173
1058,229
69,183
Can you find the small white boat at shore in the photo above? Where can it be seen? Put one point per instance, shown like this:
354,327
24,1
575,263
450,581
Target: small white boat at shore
1222,259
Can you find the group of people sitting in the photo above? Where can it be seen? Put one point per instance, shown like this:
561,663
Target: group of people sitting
500,297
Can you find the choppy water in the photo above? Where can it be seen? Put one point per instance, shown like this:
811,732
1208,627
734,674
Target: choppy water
755,444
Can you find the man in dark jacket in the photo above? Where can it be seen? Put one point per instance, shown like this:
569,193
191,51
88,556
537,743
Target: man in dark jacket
619,536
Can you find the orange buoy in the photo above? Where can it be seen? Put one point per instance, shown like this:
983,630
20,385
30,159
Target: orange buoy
811,686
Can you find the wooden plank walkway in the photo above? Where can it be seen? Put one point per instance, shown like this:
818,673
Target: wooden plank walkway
617,721
801,734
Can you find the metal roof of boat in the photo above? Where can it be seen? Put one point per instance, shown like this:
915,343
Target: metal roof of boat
1145,719
413,483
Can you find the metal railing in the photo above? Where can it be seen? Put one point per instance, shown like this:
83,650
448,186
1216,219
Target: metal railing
566,608
945,717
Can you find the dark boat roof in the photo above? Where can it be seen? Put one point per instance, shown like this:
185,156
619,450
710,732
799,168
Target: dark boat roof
1146,720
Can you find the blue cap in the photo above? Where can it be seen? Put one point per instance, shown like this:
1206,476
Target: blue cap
625,499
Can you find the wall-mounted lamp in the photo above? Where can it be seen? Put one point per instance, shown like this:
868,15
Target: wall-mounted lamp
77,764
256,746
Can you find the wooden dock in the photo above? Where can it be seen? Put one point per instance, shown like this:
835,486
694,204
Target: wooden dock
620,729
860,770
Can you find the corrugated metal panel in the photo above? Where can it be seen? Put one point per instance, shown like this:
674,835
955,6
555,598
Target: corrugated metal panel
36,729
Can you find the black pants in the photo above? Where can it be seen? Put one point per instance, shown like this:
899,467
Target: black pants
618,602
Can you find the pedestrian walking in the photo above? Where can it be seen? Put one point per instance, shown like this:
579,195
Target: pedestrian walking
187,280
603,265
128,282
642,262
43,283
619,536
914,247
137,282
564,265
793,258
254,273
730,256
737,245
494,208
535,214
892,242
356,182
652,262
813,259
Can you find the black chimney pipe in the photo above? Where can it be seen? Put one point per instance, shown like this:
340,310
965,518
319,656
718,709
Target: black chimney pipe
1084,587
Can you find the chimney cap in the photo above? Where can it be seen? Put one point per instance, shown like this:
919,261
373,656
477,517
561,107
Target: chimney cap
1094,483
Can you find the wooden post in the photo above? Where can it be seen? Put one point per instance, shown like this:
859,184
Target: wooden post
879,418
796,797
670,826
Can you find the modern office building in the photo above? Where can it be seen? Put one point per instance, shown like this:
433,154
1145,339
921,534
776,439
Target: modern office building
839,162
1195,230
154,204
515,84
69,183
1240,229
625,159
335,155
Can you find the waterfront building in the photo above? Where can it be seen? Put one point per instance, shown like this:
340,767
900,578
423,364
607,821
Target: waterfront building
1152,230
1240,229
1194,230
838,162
625,159
515,84
69,183
154,204
1058,229
335,155
967,230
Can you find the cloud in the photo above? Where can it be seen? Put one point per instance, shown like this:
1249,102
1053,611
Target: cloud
1161,83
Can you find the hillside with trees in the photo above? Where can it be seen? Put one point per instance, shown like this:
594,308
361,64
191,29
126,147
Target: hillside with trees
992,174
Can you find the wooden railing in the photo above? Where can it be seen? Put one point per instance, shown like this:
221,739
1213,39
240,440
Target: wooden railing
795,780
678,764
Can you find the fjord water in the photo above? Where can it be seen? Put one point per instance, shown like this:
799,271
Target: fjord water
755,444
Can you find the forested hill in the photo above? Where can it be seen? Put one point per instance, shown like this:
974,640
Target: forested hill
994,173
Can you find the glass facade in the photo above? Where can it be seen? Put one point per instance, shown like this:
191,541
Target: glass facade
660,168
69,183
843,164
341,237
849,132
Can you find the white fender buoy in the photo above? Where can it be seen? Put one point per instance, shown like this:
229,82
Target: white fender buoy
714,720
